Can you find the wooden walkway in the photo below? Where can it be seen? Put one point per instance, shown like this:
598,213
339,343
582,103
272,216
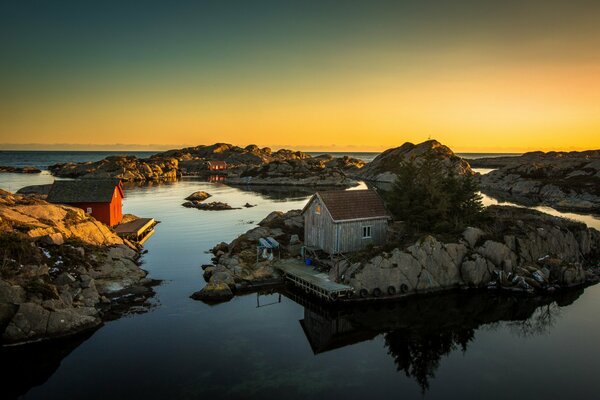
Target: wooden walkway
138,230
313,282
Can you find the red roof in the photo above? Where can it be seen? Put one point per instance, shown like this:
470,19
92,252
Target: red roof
352,204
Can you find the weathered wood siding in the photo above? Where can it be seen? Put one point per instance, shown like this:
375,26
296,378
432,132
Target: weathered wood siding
321,231
351,234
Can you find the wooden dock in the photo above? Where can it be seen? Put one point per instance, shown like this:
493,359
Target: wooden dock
137,231
312,282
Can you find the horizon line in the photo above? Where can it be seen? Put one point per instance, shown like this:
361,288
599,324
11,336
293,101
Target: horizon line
306,148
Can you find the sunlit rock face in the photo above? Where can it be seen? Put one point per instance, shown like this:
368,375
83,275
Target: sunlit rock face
386,165
125,168
60,270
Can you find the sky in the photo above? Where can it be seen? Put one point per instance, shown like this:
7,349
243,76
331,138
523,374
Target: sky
478,76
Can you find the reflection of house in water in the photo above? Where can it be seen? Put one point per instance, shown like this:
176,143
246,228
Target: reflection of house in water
216,178
420,331
328,331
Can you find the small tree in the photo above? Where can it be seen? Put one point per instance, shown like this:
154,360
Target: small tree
429,199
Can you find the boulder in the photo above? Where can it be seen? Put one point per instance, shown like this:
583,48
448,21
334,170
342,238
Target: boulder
214,293
198,196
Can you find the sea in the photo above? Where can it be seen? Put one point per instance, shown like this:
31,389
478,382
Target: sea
458,345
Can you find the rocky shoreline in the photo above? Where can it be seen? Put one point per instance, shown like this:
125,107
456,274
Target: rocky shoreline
62,272
565,181
250,165
19,170
515,249
125,168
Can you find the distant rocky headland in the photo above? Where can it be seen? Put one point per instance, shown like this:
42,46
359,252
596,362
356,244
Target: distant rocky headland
563,180
19,170
61,271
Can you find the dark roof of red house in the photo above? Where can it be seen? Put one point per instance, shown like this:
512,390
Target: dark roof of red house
217,163
84,191
353,204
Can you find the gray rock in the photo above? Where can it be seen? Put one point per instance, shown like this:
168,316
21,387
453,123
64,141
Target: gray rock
29,323
68,322
472,235
11,294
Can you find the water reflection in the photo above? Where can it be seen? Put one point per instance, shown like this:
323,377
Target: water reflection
419,332
32,365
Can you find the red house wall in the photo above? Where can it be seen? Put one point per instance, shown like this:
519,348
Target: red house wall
108,213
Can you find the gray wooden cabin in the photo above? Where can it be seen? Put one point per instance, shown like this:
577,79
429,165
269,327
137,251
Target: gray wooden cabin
343,221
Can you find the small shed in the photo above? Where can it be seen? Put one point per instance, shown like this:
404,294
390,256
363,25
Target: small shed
341,221
101,198
216,165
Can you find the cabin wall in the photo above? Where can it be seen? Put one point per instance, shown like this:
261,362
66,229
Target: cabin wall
319,230
100,211
350,234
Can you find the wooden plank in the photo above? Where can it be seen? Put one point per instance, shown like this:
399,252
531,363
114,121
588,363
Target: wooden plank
135,227
312,281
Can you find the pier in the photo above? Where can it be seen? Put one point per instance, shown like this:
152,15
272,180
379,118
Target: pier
311,281
137,231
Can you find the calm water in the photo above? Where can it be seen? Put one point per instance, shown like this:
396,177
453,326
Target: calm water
459,345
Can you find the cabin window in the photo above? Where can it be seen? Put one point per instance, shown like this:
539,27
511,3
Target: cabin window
366,232
88,210
318,209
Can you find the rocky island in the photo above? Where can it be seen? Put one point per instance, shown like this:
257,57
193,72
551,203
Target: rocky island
125,168
515,249
62,272
19,170
563,180
248,165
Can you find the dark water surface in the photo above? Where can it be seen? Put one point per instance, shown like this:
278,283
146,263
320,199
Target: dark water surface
457,345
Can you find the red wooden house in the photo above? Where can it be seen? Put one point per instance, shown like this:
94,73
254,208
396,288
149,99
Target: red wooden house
102,198
216,165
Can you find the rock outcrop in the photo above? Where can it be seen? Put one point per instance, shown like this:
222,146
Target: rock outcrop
319,171
518,249
235,264
568,181
62,271
126,168
19,170
211,206
385,166
193,159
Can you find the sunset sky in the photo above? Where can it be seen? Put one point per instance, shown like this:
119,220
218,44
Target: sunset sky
479,76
